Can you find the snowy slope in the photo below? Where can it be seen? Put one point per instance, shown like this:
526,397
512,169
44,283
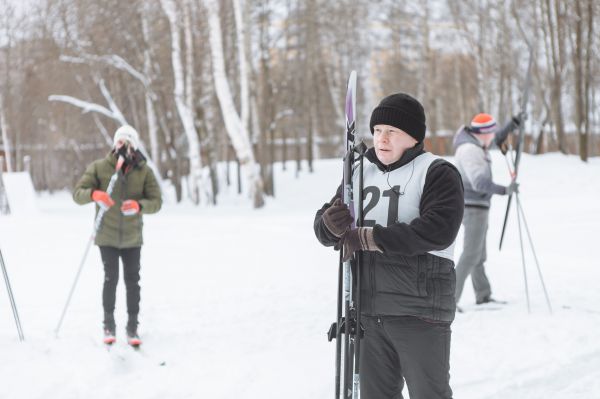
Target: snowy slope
237,302
20,193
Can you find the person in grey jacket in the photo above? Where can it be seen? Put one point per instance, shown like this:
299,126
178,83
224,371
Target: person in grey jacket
413,204
472,158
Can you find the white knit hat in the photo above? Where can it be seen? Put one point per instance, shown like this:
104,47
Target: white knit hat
129,134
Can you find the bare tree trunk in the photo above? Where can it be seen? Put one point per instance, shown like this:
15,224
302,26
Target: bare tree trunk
5,136
428,67
555,32
579,90
544,85
265,90
298,152
8,14
539,145
148,96
503,79
189,56
462,101
236,130
239,10
185,113
588,76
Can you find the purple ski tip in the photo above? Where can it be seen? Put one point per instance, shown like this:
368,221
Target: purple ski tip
349,109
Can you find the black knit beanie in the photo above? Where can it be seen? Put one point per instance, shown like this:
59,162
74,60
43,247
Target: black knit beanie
402,111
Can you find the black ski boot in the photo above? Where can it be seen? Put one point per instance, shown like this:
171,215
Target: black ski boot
133,338
109,329
489,299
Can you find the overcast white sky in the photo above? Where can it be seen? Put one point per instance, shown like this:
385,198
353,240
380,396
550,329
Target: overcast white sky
20,5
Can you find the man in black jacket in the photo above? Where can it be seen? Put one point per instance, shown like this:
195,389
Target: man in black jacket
413,211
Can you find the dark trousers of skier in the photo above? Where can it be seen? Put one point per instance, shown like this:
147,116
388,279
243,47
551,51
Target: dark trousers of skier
396,349
131,275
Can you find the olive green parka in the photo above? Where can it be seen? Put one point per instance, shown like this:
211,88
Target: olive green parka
137,183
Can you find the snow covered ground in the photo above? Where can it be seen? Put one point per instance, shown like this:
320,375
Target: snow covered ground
237,302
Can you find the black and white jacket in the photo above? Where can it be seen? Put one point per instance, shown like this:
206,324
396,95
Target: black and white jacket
415,207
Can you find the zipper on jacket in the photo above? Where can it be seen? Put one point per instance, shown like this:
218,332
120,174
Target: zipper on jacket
372,276
123,188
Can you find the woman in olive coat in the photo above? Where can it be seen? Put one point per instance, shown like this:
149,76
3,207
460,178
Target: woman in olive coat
135,193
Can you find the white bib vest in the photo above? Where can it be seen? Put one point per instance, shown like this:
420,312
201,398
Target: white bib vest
394,197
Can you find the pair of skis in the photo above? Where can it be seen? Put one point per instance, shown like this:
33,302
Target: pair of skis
348,324
134,342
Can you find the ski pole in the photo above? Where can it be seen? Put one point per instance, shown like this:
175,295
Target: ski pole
361,148
520,142
12,299
97,224
537,263
338,332
523,258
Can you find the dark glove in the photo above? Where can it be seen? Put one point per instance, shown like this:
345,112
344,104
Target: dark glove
512,188
357,239
337,218
519,118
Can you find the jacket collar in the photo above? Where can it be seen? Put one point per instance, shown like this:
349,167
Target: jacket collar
138,160
465,136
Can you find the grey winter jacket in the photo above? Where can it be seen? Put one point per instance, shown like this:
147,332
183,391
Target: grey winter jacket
474,164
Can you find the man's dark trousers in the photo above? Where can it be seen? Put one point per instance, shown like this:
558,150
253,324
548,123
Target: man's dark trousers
398,348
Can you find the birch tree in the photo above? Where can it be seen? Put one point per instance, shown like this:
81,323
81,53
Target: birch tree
149,96
7,22
185,112
238,133
239,9
5,137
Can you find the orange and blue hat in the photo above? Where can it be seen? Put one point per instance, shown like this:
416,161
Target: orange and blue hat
482,124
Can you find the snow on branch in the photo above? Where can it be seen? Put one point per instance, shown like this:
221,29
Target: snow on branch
112,60
114,112
111,103
86,106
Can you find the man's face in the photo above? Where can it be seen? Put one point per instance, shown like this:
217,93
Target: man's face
390,143
485,139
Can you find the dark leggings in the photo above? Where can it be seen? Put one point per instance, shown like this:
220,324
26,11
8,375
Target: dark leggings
131,273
